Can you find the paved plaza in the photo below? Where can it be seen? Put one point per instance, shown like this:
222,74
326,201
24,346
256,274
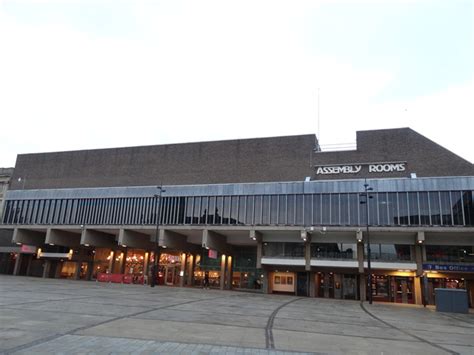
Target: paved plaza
63,316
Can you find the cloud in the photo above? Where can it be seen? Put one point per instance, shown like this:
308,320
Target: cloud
195,72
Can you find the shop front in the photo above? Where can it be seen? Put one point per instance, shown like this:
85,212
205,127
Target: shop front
336,285
455,276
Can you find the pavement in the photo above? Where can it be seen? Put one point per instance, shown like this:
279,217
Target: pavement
39,316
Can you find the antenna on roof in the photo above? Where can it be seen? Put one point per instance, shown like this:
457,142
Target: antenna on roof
317,147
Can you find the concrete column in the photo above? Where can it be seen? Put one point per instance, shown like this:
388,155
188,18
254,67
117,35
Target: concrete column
146,262
307,250
257,236
190,274
16,268
77,272
362,287
112,262
122,261
265,281
418,260
90,269
259,254
229,273
59,266
28,266
360,257
46,267
182,270
223,273
312,284
417,289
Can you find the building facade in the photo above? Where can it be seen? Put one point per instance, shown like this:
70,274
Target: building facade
268,215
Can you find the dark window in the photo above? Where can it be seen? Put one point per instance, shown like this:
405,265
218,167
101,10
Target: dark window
266,210
291,205
335,209
282,210
353,209
234,213
446,208
299,210
392,207
326,208
435,210
317,210
403,208
242,210
389,252
468,202
424,208
456,198
413,208
308,210
333,251
258,209
274,210
448,253
383,208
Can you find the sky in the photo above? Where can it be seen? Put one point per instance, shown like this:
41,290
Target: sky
98,74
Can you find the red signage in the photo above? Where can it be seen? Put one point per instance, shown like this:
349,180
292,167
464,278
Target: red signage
31,249
212,254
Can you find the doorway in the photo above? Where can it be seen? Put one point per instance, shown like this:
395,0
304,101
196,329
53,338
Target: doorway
302,281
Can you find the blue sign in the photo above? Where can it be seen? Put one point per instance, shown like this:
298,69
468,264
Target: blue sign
448,267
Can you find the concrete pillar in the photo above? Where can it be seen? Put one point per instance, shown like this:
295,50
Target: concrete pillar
112,262
90,269
307,249
59,266
418,260
229,273
28,266
312,284
146,262
123,256
18,260
77,272
190,273
360,257
223,273
362,287
265,281
182,273
46,268
417,289
257,236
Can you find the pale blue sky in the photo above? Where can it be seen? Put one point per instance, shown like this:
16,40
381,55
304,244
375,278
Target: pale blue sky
177,71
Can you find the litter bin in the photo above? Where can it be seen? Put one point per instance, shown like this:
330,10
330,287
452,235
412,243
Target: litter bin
451,300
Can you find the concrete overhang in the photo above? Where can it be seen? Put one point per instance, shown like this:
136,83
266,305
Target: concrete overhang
63,238
29,236
91,237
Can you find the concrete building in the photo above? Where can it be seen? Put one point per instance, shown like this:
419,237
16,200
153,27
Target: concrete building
8,250
268,215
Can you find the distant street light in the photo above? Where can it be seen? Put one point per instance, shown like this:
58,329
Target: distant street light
366,202
156,263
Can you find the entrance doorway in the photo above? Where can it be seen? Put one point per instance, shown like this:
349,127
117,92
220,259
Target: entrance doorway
171,274
325,284
302,281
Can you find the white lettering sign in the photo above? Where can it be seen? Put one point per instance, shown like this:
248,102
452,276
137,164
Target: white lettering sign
386,168
355,169
343,169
